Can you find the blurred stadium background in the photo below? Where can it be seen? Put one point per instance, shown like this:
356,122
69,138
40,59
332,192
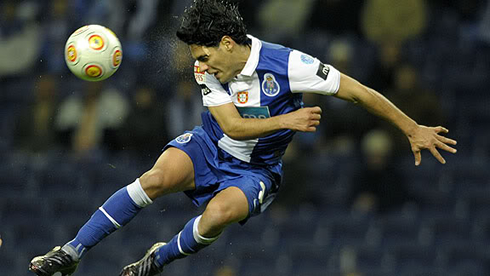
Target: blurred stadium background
353,203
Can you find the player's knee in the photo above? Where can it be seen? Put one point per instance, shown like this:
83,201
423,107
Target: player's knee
153,182
222,213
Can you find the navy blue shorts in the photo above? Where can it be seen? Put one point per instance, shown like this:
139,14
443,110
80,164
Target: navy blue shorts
216,170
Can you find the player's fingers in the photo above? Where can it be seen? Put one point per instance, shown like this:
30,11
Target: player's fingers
311,129
314,123
418,157
440,129
316,109
446,140
437,155
316,116
446,147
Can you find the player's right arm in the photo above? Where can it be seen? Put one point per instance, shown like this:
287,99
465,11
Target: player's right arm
236,127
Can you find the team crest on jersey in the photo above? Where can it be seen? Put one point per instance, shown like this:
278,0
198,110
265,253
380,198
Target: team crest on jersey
184,138
270,86
306,59
242,97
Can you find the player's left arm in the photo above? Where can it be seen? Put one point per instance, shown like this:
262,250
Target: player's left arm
420,137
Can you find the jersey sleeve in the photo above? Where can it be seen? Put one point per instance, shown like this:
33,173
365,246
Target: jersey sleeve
213,94
310,75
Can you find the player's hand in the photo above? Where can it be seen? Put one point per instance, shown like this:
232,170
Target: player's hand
430,138
304,119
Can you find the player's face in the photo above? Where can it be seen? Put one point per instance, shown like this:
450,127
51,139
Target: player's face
217,61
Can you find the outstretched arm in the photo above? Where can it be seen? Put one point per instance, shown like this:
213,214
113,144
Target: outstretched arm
420,137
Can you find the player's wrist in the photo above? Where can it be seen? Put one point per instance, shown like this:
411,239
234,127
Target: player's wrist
282,122
410,128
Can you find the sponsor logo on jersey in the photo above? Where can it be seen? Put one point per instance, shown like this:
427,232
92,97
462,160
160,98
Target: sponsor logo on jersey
242,97
204,89
199,75
306,59
323,71
270,86
184,138
96,42
254,112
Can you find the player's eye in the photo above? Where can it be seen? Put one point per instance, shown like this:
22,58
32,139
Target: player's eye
203,58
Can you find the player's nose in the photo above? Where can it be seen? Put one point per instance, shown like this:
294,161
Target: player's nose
203,67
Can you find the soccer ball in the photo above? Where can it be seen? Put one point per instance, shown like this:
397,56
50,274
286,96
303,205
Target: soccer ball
93,53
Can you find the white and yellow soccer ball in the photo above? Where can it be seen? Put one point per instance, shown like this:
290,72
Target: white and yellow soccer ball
93,53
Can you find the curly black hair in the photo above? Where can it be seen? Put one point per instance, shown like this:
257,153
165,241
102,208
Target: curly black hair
205,23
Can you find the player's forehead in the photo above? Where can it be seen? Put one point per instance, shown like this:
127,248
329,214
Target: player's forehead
198,51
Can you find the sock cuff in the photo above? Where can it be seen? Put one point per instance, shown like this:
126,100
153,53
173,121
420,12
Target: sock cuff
73,252
138,195
200,239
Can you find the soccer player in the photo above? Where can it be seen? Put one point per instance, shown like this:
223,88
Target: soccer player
232,163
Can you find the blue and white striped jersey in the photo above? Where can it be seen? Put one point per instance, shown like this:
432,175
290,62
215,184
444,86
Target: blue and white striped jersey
270,84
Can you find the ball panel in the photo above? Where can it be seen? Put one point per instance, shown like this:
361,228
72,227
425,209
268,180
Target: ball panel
80,30
93,70
71,54
96,42
116,58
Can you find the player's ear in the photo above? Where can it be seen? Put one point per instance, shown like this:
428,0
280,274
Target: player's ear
227,42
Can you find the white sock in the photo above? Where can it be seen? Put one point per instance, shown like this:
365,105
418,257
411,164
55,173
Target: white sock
138,195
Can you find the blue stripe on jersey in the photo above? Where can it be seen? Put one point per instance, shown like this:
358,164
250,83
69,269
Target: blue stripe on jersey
272,71
211,126
274,59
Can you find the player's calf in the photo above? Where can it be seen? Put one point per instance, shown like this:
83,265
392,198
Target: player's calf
186,242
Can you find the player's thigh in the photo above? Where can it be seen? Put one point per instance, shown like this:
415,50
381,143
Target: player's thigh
172,172
228,206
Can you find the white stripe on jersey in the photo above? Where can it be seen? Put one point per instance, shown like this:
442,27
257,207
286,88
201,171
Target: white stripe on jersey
239,149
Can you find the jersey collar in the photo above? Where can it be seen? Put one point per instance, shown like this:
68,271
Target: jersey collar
253,59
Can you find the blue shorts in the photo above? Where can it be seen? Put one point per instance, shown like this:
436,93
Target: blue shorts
216,170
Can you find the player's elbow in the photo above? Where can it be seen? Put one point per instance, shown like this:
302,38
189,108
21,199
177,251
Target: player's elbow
234,130
234,133
361,95
352,90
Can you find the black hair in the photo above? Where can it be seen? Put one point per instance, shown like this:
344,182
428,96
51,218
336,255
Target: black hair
205,23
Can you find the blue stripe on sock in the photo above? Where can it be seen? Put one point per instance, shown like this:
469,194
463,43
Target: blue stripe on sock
169,252
119,206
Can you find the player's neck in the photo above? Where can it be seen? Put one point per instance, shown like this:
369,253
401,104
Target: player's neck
242,55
